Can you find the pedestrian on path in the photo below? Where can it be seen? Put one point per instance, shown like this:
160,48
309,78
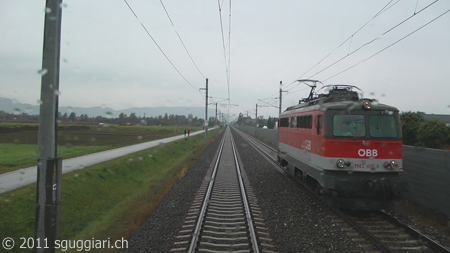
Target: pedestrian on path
185,132
189,132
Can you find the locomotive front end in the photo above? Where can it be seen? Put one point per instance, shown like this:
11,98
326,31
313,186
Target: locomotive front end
362,154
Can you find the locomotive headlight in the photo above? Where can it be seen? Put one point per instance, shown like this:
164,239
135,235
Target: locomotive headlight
340,163
392,165
367,105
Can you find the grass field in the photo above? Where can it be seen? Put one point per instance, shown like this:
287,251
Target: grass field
18,141
16,156
108,200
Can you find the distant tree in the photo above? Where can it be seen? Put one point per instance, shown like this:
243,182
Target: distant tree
240,120
212,121
410,125
73,117
271,122
261,121
123,119
99,119
84,118
433,134
133,119
64,117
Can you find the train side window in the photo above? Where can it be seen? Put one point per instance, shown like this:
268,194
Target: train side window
319,124
298,122
309,125
284,122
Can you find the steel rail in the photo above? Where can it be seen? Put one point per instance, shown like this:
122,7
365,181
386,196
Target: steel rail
248,214
435,246
247,137
201,218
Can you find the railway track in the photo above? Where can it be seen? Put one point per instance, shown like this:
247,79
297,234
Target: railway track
224,216
374,232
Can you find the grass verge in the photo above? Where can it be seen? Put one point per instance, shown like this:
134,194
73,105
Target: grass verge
16,156
108,200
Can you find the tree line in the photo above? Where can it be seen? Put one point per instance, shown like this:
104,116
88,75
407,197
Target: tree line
418,131
122,119
260,122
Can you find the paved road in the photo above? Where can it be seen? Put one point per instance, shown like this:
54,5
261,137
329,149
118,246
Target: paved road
15,179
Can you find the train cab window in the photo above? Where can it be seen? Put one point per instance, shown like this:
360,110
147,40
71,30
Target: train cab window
319,124
382,126
349,125
309,121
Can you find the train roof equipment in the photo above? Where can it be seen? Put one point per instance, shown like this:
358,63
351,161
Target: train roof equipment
336,93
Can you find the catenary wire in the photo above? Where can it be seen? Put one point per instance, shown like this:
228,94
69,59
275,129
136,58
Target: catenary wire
350,37
415,13
370,42
364,60
160,49
417,3
224,48
185,48
229,52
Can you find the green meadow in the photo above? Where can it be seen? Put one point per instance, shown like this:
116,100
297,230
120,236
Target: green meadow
18,141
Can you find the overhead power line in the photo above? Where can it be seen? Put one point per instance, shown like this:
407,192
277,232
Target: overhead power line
160,49
368,58
229,51
187,51
227,59
385,8
373,40
415,13
367,43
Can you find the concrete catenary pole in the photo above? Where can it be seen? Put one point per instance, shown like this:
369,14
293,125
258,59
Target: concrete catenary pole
256,115
206,114
281,98
48,188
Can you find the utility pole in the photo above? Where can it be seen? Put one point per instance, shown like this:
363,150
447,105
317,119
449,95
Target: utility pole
257,115
206,113
281,98
48,187
216,116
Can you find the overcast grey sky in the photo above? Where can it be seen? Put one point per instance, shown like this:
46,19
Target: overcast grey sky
108,59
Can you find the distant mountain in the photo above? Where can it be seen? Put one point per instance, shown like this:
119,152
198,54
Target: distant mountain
12,106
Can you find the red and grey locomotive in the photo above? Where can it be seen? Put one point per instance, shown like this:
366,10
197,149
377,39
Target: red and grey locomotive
350,148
